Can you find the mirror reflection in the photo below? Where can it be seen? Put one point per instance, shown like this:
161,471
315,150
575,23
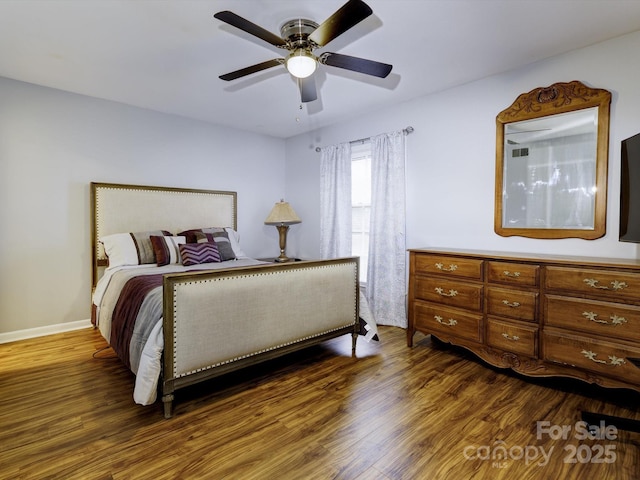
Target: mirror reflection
549,174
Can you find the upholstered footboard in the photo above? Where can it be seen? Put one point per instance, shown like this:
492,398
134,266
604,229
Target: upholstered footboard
219,321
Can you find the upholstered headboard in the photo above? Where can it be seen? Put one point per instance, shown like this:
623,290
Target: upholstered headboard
118,208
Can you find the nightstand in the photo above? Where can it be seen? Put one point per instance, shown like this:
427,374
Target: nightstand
273,260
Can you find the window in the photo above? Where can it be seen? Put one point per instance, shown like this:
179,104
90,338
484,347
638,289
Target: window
360,204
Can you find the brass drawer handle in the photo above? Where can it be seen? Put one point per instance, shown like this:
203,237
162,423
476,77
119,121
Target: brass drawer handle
615,319
615,285
451,268
511,304
507,273
515,338
450,323
613,360
451,293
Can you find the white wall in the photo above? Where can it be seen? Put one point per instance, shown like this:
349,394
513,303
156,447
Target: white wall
451,154
53,143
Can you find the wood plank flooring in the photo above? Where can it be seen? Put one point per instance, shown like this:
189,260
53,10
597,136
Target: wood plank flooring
430,412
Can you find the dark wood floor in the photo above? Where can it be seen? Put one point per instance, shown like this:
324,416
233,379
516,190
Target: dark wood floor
430,412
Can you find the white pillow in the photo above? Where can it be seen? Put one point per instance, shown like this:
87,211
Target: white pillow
234,239
120,249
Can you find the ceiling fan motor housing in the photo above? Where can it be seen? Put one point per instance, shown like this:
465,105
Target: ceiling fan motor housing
297,31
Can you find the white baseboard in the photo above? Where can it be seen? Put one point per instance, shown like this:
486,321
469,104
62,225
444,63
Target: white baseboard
42,331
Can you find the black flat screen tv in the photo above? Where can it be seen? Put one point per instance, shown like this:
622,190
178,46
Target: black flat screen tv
630,190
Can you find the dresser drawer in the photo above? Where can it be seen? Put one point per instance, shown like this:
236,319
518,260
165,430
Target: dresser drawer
604,283
449,266
513,273
591,316
596,355
518,304
435,318
512,337
456,293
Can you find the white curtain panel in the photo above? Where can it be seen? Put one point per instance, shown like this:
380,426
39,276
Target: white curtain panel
335,201
386,276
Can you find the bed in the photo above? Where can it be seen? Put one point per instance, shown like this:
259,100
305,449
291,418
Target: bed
180,303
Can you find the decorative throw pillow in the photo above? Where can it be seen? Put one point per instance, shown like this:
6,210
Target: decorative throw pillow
221,239
196,253
130,248
212,234
166,249
192,233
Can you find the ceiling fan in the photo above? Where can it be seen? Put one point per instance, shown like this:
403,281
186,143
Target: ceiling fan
301,37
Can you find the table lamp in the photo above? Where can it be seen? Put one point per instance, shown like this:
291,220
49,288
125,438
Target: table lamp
281,216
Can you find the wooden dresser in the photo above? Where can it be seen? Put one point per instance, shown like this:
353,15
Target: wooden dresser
538,315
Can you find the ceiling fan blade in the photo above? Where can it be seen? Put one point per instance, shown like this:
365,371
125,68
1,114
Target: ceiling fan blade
249,27
350,14
308,92
252,69
356,64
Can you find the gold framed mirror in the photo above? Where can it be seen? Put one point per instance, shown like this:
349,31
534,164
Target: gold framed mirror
552,148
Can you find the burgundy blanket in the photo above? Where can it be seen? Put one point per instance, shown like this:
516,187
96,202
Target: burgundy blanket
126,311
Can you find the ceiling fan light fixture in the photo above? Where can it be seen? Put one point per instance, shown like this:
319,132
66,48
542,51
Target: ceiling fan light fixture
301,63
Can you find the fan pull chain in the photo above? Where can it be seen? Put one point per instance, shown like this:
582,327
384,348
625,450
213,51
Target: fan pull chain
298,118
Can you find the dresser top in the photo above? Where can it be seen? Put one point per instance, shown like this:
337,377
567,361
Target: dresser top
633,263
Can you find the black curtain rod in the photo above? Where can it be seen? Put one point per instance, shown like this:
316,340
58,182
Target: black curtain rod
406,131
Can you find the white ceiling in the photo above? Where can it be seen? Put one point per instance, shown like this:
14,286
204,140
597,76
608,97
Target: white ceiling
166,55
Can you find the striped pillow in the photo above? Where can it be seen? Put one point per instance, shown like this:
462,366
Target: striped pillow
196,253
166,249
130,248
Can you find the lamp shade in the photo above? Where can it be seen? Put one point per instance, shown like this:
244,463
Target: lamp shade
301,63
282,214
